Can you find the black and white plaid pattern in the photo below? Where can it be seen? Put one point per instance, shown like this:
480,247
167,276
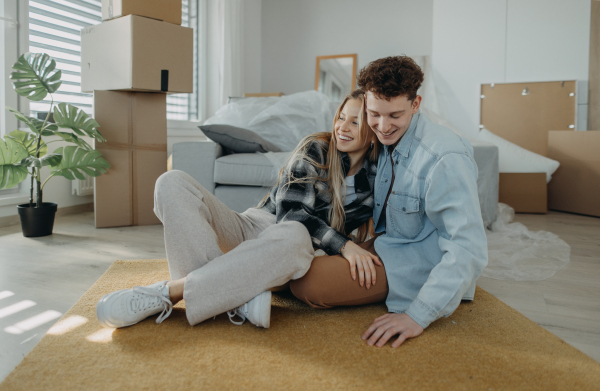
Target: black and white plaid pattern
308,203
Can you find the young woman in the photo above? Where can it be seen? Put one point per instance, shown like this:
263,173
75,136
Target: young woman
221,260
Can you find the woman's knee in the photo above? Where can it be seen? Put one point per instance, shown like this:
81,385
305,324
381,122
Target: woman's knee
168,181
295,233
304,289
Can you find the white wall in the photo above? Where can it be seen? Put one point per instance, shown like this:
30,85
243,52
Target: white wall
485,41
252,45
295,32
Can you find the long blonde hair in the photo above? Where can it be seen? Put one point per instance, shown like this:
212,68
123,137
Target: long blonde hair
335,173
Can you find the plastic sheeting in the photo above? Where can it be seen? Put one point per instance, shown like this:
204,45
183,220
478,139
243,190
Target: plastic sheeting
283,121
515,253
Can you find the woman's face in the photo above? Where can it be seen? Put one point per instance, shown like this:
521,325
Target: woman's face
346,128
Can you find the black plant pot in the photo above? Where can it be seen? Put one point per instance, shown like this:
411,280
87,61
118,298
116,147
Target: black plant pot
36,222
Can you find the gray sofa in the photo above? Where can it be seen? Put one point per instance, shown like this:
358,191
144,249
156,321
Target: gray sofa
241,180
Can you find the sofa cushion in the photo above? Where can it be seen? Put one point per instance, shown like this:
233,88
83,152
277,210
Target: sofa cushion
237,140
249,169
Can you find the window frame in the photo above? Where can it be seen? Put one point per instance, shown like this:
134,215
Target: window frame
14,40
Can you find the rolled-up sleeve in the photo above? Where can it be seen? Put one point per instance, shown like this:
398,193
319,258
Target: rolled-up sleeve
452,205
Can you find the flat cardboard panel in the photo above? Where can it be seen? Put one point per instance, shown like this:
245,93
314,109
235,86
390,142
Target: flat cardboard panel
526,119
575,186
165,10
135,126
525,192
130,53
113,206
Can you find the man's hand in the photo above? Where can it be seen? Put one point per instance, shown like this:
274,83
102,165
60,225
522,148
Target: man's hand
388,325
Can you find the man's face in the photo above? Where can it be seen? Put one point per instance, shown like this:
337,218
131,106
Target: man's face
390,119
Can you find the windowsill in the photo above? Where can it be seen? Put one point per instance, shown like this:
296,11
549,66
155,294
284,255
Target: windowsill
13,199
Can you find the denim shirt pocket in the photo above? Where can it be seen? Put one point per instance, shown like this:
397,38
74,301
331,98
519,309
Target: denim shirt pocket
405,215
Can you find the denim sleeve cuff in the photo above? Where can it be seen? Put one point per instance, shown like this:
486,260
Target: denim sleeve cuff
421,313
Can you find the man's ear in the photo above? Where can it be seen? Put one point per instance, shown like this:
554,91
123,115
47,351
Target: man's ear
416,104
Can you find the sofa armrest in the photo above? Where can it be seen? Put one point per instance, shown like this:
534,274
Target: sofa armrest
197,158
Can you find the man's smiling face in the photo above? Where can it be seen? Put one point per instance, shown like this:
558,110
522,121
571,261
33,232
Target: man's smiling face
390,119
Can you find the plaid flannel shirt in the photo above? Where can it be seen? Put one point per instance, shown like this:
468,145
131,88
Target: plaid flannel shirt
308,203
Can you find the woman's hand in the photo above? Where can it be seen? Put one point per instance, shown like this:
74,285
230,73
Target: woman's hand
361,260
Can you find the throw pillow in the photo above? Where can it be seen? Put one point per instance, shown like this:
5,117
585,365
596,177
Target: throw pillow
513,158
237,140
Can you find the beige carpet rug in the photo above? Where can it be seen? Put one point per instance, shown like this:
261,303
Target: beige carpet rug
484,345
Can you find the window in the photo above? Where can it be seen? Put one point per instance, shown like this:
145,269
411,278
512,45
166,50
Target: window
54,28
184,107
11,28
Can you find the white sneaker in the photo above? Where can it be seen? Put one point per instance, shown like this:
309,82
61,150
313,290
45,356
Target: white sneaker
257,311
129,306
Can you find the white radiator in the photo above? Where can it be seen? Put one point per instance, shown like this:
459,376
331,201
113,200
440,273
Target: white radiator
83,188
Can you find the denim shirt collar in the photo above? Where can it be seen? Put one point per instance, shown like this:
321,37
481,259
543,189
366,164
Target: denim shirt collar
403,146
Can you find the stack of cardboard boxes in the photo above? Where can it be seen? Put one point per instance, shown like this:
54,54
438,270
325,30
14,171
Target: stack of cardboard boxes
130,61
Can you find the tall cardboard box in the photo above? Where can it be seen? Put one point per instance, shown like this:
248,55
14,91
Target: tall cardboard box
137,54
165,10
575,186
135,125
523,113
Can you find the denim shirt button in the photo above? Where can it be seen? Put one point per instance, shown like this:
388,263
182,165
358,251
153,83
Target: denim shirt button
378,204
386,180
403,209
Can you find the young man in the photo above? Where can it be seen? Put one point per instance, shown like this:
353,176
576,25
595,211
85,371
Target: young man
434,245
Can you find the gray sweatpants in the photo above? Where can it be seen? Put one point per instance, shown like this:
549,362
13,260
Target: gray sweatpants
227,258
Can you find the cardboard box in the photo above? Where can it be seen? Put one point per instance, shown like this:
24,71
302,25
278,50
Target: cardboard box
137,54
523,113
575,186
165,10
135,127
525,192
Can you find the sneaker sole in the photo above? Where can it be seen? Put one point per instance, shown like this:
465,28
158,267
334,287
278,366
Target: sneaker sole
102,317
265,310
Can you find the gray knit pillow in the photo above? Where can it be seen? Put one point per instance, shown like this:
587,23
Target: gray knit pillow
237,140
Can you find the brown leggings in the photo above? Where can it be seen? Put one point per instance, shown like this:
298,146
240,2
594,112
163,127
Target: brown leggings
328,283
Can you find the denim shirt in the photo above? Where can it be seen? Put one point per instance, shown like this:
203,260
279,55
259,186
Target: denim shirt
434,247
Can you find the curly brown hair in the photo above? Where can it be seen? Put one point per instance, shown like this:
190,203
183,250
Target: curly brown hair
390,77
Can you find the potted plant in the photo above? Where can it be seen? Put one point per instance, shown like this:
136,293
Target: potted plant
25,153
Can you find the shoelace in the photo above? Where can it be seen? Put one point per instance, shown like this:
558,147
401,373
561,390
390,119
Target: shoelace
156,298
239,311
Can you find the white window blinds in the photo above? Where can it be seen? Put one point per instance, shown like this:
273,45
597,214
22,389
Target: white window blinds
54,28
184,107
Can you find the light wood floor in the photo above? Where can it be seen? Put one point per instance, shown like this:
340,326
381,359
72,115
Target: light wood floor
51,273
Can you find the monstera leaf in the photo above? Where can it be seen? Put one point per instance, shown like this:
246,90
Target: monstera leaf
11,153
71,138
28,141
35,76
33,123
76,159
51,160
67,116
